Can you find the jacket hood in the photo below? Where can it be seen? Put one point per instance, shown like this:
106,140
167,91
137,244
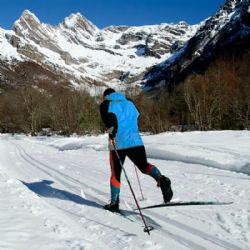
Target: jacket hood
117,96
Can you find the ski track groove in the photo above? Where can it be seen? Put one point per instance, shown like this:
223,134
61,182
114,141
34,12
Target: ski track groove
35,162
203,235
58,209
122,244
112,231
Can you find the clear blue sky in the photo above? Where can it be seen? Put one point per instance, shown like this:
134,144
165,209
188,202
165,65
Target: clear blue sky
111,12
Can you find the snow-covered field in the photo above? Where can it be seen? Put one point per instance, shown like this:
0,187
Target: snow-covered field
52,191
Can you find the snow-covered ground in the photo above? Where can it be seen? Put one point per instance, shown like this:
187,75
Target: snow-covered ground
52,191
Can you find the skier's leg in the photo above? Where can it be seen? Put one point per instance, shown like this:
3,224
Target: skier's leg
115,175
138,156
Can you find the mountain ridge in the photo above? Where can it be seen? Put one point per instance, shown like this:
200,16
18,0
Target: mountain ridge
85,54
228,26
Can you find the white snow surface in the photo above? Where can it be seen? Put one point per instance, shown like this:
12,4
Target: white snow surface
52,190
7,51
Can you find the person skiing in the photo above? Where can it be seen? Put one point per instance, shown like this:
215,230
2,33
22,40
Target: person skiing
120,116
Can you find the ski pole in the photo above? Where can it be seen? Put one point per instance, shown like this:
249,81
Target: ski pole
147,229
139,182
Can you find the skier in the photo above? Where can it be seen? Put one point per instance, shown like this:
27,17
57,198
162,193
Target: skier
119,116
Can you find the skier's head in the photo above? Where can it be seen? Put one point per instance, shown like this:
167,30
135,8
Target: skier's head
108,92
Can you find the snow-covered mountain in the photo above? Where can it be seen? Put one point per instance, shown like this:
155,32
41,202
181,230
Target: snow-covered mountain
227,30
79,52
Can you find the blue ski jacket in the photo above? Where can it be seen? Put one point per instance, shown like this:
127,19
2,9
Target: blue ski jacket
121,114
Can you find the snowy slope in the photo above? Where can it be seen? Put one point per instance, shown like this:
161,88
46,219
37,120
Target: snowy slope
52,191
7,51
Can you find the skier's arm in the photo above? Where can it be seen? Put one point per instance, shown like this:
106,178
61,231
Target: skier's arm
109,119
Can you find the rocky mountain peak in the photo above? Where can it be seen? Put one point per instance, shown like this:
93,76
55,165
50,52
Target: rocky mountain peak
77,21
29,16
77,50
27,21
232,4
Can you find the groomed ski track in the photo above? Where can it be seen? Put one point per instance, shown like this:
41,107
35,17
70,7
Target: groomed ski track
51,180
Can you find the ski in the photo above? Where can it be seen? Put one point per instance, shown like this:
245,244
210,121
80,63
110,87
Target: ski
187,203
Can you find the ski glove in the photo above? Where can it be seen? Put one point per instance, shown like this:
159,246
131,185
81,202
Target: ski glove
111,132
112,140
111,144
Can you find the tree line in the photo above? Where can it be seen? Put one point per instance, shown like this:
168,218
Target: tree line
61,110
216,99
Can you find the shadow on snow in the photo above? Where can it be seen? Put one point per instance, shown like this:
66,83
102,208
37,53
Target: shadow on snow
44,188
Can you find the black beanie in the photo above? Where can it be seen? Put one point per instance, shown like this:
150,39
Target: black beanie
108,92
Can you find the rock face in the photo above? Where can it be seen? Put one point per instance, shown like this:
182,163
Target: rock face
228,28
83,54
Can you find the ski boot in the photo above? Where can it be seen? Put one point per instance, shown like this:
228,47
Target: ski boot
165,184
112,207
